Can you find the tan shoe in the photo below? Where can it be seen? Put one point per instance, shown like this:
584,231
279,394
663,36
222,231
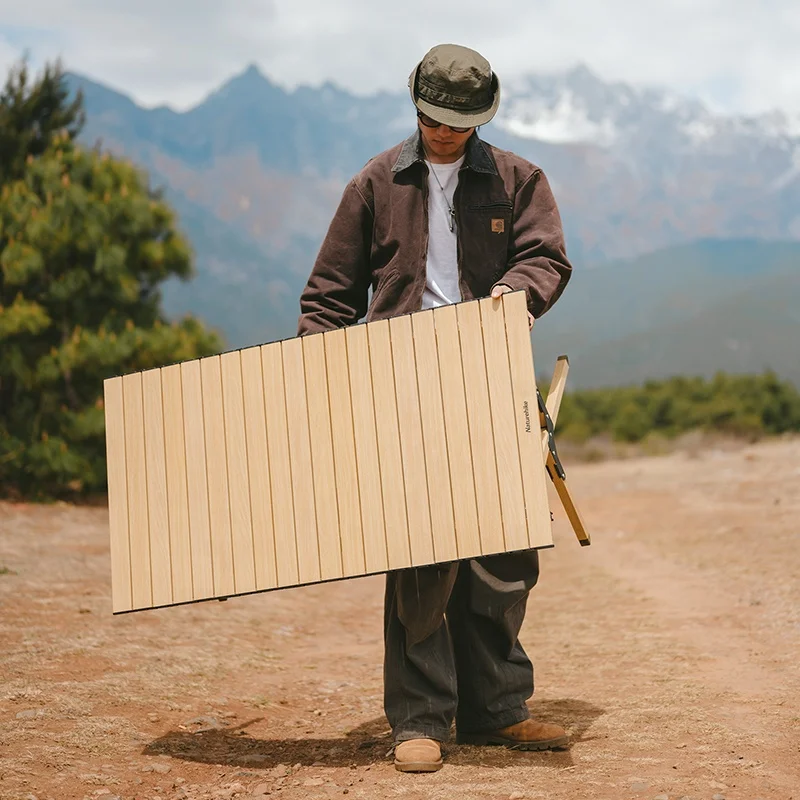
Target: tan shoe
525,735
418,755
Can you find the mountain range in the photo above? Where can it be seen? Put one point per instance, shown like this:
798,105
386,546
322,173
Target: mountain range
712,305
678,220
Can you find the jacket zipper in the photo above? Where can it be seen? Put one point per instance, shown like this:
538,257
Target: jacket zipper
502,204
425,236
456,208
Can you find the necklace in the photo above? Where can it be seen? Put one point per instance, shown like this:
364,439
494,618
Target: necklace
452,220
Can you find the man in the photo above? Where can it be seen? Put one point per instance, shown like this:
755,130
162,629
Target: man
440,218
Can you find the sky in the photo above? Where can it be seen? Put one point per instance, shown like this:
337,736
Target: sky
739,56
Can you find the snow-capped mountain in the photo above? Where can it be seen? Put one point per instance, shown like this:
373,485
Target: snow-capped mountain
576,106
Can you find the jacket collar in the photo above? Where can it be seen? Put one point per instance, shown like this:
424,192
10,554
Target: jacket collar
478,156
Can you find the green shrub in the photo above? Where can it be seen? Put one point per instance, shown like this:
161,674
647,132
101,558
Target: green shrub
740,405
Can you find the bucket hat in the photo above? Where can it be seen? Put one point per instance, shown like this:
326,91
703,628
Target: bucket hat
455,86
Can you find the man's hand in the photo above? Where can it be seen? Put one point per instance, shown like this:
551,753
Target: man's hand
502,288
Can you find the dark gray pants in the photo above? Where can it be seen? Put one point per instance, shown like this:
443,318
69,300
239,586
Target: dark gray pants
452,650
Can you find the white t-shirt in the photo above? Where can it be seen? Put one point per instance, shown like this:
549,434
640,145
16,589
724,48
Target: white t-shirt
441,284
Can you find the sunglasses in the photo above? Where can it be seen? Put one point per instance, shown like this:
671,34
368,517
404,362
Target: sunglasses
432,123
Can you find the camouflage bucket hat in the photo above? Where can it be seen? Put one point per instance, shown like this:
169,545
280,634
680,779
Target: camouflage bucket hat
455,86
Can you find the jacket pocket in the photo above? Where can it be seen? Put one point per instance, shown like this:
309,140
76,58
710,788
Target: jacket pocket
487,237
500,205
385,284
492,220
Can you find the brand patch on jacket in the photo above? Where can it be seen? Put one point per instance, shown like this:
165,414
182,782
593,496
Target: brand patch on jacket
498,225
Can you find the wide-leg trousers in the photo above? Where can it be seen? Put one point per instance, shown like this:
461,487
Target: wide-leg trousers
452,650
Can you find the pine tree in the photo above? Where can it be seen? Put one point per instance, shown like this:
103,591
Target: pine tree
84,247
30,114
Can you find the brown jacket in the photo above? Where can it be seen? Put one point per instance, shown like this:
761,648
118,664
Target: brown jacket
509,231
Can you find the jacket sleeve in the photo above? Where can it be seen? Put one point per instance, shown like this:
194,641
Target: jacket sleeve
538,260
337,289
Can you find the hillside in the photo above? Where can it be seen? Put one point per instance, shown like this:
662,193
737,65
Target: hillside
755,329
246,291
695,309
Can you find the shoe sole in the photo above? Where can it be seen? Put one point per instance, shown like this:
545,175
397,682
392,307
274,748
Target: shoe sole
498,741
418,766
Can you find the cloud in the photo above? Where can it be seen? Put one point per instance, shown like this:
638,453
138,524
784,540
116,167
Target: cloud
9,54
735,54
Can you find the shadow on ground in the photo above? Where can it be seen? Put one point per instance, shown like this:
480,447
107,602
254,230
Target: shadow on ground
366,744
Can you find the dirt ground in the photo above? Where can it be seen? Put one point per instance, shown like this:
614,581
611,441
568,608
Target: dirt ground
670,649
